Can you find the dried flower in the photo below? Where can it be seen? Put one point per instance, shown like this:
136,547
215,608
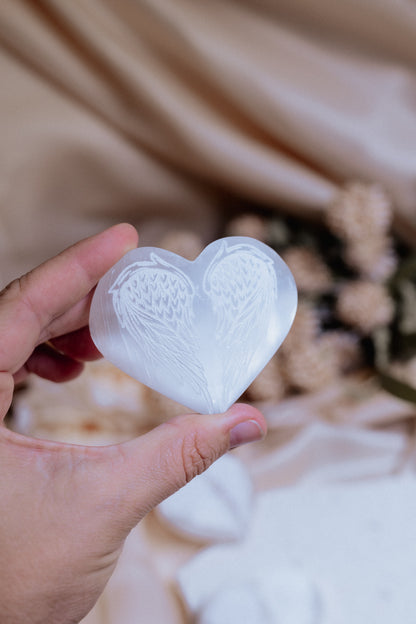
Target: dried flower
307,362
269,384
359,212
407,291
345,347
373,258
310,367
364,305
248,225
405,371
305,327
182,242
309,270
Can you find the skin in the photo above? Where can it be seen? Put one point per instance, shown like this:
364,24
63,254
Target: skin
66,510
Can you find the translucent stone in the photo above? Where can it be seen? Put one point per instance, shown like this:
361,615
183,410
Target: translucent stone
197,331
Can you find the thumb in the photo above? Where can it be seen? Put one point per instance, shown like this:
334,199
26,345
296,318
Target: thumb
160,462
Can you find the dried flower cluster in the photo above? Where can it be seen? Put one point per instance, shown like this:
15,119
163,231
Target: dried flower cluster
269,385
248,225
311,273
337,307
405,371
359,211
345,346
311,359
365,305
308,360
361,215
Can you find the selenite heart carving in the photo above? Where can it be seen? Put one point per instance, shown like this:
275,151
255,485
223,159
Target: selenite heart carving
198,332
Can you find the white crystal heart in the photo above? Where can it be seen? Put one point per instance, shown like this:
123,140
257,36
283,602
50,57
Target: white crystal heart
198,332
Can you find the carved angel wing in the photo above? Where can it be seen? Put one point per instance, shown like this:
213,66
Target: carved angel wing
153,301
242,286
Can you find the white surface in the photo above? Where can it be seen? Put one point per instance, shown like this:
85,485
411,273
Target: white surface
198,332
216,506
285,597
356,542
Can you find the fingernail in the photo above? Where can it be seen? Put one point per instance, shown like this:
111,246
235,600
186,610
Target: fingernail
248,431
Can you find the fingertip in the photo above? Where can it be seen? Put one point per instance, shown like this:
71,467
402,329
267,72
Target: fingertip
127,234
245,432
243,412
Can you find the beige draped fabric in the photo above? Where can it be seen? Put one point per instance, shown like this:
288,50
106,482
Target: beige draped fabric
166,113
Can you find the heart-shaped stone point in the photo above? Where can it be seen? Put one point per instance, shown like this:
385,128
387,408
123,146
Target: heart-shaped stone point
197,331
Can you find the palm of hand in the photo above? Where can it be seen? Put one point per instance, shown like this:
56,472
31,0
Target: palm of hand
64,538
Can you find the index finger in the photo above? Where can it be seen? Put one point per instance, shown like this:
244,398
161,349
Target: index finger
53,299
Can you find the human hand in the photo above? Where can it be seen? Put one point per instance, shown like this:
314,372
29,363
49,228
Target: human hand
66,509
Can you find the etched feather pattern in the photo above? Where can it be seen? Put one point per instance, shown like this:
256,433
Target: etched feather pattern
242,287
153,301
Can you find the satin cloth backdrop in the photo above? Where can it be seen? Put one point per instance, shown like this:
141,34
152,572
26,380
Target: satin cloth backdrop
162,113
